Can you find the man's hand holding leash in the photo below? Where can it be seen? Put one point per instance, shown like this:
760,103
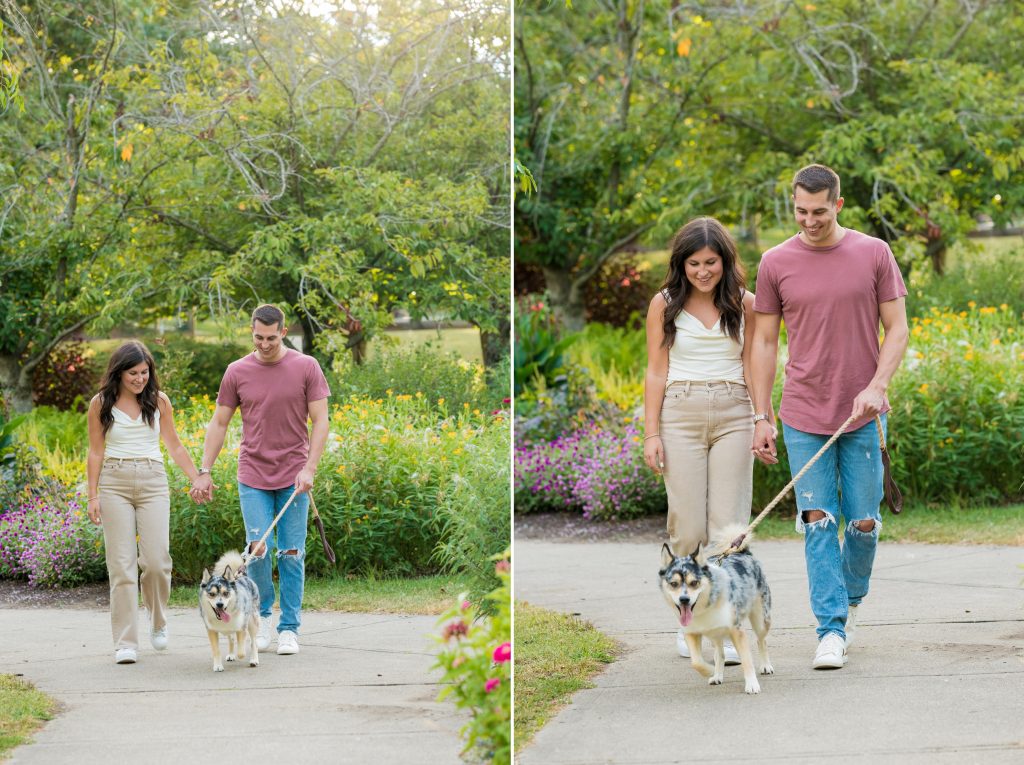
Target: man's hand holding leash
868,403
304,480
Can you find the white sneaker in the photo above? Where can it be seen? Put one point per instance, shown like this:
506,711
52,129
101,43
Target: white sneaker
263,636
159,638
125,656
831,653
732,657
851,624
681,646
287,643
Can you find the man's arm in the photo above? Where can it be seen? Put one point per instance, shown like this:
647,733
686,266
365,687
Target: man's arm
216,431
869,401
317,442
764,352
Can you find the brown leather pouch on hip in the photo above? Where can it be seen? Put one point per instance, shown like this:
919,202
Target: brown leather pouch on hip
893,495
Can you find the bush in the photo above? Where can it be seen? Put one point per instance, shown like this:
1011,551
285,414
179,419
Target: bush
58,441
424,369
596,470
67,379
189,368
620,292
49,540
615,359
394,471
538,350
981,277
476,656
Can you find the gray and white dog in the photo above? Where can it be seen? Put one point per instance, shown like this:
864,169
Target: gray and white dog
714,599
229,602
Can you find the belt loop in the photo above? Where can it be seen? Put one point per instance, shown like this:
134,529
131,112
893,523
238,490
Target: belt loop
686,389
728,387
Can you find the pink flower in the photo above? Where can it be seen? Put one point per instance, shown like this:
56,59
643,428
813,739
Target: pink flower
625,282
501,566
457,628
465,605
491,684
503,652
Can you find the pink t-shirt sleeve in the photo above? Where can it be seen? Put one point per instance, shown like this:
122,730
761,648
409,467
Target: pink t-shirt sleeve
316,383
228,393
890,280
766,298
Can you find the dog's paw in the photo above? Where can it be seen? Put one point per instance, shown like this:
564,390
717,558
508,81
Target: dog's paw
229,657
254,663
715,680
767,669
218,667
753,687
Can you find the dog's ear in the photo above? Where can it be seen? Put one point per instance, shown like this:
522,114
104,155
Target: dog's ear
206,576
229,574
696,551
666,557
699,555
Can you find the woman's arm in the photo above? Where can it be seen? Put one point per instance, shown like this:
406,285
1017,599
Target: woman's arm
169,434
94,460
654,383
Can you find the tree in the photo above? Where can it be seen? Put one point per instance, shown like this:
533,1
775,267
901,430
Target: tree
636,116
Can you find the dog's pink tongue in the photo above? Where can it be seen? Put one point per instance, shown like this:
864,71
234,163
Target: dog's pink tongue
224,616
685,614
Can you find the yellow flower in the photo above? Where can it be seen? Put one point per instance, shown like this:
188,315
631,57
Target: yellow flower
919,355
971,304
340,469
987,310
440,402
1004,307
963,314
969,356
995,341
923,389
917,330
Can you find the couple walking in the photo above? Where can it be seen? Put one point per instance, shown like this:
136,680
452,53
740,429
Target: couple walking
278,390
712,348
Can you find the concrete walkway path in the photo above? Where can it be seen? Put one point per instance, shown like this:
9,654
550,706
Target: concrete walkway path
936,675
360,691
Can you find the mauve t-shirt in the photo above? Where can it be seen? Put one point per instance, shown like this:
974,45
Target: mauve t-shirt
274,399
828,298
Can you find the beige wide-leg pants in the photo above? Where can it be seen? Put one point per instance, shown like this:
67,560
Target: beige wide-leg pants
707,430
135,508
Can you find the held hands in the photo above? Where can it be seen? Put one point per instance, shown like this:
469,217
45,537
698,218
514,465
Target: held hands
94,511
654,454
202,489
868,403
764,448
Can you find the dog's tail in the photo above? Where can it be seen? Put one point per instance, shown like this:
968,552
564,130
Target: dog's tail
232,559
726,536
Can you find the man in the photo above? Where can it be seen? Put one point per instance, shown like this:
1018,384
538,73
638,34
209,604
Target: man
277,389
831,285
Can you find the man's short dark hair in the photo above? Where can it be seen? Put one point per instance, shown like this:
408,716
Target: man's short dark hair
815,178
268,314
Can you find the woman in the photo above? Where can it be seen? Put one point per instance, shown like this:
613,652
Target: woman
128,492
697,413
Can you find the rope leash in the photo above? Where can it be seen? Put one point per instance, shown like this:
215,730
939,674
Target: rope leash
248,556
735,544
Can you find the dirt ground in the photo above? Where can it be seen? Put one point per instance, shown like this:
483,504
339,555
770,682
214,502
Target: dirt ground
570,527
20,595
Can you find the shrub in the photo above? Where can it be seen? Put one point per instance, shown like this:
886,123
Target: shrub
188,368
476,656
423,368
615,359
598,471
981,277
49,540
538,352
67,379
620,292
59,440
394,470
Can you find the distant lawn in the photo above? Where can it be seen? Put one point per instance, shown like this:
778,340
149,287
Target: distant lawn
555,656
945,525
429,595
23,710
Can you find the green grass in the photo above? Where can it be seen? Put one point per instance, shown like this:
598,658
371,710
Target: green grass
555,656
23,710
917,523
428,595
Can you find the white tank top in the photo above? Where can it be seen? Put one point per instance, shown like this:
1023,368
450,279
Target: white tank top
704,355
129,438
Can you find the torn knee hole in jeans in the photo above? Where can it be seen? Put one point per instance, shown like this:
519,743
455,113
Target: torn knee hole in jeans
257,549
291,553
814,519
866,526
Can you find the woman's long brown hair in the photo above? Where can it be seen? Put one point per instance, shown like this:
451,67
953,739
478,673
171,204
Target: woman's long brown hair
130,354
693,237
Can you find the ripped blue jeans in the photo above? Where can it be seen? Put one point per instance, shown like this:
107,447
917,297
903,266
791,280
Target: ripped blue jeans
259,508
845,483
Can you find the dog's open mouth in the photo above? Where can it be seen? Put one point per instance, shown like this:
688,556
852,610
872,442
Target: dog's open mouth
685,614
221,614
